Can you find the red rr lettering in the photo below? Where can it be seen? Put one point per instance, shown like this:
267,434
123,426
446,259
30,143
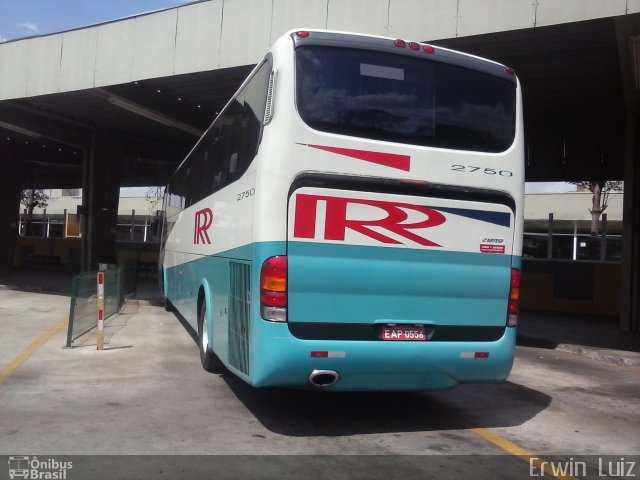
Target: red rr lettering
336,222
203,221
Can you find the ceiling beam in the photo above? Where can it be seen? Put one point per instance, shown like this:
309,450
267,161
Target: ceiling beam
34,123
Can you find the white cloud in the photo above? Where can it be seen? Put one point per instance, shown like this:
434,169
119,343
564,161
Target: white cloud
2,39
29,27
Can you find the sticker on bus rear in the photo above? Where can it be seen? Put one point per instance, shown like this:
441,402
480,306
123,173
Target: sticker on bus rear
492,245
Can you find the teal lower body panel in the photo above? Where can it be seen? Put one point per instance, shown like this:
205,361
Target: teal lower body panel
285,361
331,283
275,357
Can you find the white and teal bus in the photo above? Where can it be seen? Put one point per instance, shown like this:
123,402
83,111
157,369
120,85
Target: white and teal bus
352,219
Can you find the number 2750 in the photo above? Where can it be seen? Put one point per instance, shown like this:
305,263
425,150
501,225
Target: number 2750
486,171
246,194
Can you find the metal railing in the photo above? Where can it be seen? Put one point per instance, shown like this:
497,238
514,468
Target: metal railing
119,283
572,240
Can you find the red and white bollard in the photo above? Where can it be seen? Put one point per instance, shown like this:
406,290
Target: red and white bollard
100,308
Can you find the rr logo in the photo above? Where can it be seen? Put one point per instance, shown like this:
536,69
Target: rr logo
203,221
336,221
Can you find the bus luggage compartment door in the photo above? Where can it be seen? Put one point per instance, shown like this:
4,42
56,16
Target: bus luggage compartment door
358,260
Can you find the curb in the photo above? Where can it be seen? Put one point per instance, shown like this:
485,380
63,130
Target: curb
618,357
35,289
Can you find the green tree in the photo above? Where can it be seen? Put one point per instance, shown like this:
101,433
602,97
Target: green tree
154,197
32,198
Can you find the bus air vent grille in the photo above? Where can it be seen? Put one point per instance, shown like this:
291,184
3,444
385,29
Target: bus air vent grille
239,299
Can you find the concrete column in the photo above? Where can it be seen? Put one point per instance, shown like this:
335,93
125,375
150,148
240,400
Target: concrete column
550,237
629,311
10,186
627,33
105,164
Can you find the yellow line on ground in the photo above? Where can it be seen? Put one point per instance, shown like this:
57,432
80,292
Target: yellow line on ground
537,464
7,371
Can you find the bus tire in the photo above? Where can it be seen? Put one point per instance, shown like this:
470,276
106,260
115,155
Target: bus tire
210,362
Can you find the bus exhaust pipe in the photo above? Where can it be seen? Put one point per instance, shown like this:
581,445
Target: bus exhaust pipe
323,378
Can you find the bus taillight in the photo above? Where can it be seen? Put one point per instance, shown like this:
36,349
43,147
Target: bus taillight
514,298
414,46
273,289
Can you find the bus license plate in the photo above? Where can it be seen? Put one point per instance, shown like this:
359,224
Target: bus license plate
403,333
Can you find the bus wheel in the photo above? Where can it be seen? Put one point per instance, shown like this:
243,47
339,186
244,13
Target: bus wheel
210,362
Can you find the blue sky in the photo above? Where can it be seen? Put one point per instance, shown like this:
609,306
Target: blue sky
25,18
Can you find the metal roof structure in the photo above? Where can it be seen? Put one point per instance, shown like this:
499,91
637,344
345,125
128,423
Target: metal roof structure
156,96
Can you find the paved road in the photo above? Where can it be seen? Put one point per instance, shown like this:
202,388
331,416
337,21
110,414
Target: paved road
147,395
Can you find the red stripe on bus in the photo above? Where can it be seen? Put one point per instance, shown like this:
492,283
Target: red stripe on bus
401,162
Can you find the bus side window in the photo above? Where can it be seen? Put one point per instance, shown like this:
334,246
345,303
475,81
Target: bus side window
176,196
229,146
217,181
211,175
254,104
233,164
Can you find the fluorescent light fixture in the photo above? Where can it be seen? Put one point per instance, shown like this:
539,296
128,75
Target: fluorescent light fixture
20,130
146,112
140,110
53,164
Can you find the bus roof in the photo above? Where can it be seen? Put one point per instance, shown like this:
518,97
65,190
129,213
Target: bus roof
303,37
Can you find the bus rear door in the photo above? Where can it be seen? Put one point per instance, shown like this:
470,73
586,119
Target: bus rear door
363,260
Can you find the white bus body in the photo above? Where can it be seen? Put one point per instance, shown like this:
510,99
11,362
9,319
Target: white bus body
353,219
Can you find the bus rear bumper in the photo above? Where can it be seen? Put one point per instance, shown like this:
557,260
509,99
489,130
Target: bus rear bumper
282,360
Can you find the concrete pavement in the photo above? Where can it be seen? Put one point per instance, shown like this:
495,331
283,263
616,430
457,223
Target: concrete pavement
146,394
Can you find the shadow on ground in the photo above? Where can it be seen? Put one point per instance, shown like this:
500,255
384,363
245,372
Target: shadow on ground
302,413
548,330
52,282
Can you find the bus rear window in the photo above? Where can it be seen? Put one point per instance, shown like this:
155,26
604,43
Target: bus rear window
398,98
